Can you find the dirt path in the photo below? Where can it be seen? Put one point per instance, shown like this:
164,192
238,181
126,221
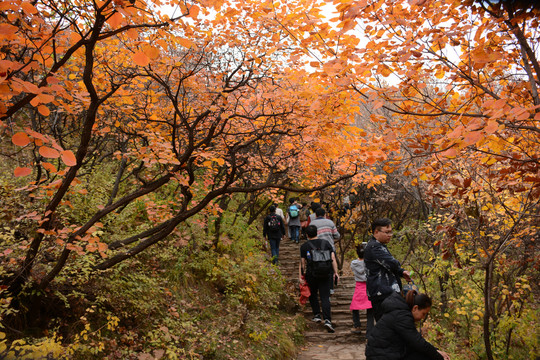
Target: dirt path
326,351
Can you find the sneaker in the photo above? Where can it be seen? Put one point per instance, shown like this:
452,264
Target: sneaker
331,291
317,318
328,326
356,330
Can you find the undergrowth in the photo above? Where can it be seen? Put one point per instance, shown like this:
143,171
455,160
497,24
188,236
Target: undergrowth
183,299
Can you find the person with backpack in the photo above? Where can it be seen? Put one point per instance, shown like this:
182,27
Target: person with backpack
326,230
318,265
273,231
293,213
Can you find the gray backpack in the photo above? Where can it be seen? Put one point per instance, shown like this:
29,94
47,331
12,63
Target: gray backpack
319,262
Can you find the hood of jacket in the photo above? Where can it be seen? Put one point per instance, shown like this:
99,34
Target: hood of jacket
394,302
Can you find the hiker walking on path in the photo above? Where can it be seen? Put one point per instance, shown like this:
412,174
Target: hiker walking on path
326,230
273,231
360,300
319,267
384,272
304,217
395,337
313,206
293,214
280,213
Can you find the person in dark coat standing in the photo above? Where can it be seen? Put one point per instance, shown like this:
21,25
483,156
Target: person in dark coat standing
395,337
384,272
273,231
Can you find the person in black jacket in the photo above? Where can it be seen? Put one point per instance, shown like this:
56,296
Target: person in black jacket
395,337
384,272
273,231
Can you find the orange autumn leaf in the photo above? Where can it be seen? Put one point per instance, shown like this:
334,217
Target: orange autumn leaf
43,110
151,51
20,139
194,11
440,74
377,105
473,137
115,20
491,127
69,158
141,59
185,42
48,166
7,30
48,152
28,8
22,171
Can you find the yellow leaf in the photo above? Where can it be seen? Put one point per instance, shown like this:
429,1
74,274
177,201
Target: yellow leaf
220,161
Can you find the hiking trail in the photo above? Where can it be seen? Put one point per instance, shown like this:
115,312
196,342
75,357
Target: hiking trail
320,344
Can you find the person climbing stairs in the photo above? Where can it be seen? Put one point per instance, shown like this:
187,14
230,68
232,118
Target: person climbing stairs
340,300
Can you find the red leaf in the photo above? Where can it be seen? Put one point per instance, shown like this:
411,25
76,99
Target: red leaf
19,171
48,166
48,152
69,158
20,139
43,110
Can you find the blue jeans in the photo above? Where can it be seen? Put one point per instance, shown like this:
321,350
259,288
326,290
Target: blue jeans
295,232
274,249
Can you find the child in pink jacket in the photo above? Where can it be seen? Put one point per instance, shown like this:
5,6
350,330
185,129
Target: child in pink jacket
360,300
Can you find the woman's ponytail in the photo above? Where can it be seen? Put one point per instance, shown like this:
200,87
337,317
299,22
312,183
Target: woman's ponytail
421,300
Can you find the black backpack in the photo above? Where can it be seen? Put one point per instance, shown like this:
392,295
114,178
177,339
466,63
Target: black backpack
273,223
319,263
